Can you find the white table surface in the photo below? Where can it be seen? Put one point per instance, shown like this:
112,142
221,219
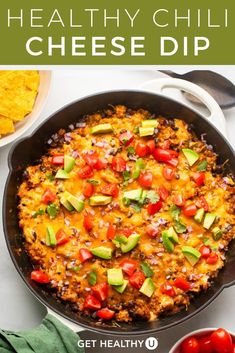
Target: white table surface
19,309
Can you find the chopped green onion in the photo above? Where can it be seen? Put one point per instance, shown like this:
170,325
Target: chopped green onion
146,269
92,278
52,210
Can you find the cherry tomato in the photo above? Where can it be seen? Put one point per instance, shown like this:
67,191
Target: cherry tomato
202,203
166,288
105,314
168,173
162,155
181,283
61,237
205,251
142,150
221,341
111,231
190,345
151,145
110,189
118,164
145,179
92,303
179,200
85,172
173,162
212,259
101,164
101,291
153,208
88,190
88,222
163,193
205,345
126,138
85,255
129,266
199,178
40,277
137,279
91,158
151,231
58,159
190,210
48,196
233,351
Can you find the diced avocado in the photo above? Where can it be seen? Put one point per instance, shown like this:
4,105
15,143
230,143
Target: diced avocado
146,131
168,245
64,201
100,200
209,220
69,163
120,289
150,123
134,195
103,252
191,254
199,215
217,233
139,165
131,243
62,174
101,129
148,287
76,203
50,238
115,277
190,155
172,235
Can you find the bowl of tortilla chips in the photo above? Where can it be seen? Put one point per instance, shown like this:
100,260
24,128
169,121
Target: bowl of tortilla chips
23,95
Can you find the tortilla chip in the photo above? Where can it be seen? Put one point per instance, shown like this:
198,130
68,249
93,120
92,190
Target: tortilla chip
6,126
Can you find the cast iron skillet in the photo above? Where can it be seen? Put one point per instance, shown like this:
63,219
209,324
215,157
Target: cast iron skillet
30,149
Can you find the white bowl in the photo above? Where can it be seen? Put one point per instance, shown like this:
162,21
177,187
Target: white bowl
198,333
22,126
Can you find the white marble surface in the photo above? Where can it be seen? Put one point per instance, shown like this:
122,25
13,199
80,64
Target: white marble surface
19,309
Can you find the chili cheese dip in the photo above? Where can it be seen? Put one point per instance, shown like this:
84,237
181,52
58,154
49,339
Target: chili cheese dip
127,216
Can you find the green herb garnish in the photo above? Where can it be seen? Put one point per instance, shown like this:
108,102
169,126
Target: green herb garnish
139,165
52,210
38,213
175,212
130,150
92,278
179,227
126,175
202,166
153,196
75,268
50,177
136,129
136,207
120,239
93,181
146,269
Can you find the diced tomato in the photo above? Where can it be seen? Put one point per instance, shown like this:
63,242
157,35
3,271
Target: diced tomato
58,159
199,178
40,277
168,173
181,283
173,162
151,145
142,150
205,345
101,291
61,237
164,144
151,231
129,266
92,303
85,172
88,222
118,164
179,200
205,251
202,203
91,158
162,155
190,345
110,189
166,288
111,231
126,231
137,279
101,164
88,190
48,196
212,259
126,138
145,179
190,210
153,208
85,254
163,193
105,314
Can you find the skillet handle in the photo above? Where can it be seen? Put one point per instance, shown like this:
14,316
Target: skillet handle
74,327
216,115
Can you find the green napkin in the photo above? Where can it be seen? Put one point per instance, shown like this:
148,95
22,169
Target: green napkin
50,337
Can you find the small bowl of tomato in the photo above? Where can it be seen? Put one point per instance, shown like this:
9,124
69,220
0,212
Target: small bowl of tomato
207,340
